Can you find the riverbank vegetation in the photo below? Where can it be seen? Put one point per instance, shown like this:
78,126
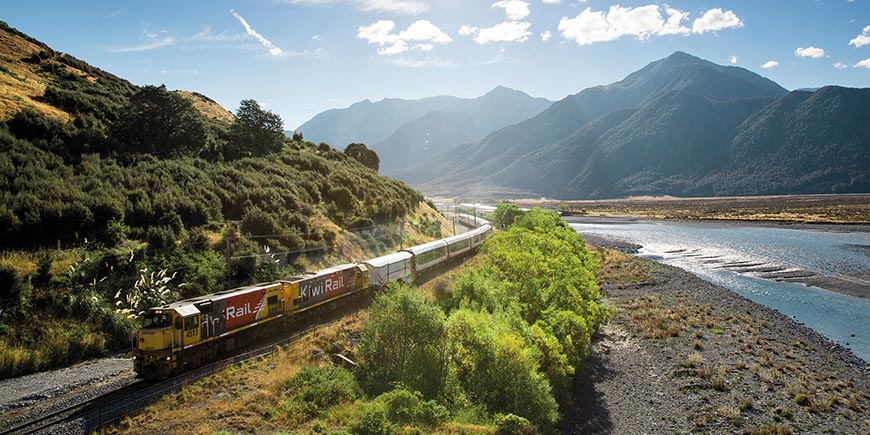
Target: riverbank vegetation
812,209
491,349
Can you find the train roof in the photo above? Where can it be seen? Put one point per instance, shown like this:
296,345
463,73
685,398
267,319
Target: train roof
426,247
387,259
458,237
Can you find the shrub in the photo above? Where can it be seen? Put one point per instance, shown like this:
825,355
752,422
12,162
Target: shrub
403,341
408,407
510,424
371,419
316,389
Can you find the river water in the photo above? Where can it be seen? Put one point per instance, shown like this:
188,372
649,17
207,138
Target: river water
703,249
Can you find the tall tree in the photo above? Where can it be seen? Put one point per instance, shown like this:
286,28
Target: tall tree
368,157
162,123
255,132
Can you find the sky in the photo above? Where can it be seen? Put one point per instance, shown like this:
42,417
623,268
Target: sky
300,57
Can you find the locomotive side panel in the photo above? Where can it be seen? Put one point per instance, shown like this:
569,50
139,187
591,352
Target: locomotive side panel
245,308
311,291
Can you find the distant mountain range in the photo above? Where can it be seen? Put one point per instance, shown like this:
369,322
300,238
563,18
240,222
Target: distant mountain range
405,132
680,126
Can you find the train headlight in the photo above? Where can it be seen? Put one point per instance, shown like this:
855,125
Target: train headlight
134,357
168,358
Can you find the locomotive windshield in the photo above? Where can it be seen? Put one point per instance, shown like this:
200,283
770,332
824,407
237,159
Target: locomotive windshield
154,320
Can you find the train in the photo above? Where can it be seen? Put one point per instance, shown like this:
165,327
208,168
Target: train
183,335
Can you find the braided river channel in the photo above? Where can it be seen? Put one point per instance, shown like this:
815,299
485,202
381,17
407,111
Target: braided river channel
780,267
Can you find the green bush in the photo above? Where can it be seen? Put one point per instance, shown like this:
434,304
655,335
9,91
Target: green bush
403,342
315,389
372,419
510,424
406,407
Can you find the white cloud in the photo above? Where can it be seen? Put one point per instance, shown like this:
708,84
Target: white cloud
641,22
733,60
399,7
770,64
406,62
423,32
862,39
515,9
273,50
317,37
508,31
863,64
716,19
467,30
555,2
546,36
153,40
840,65
813,52
206,35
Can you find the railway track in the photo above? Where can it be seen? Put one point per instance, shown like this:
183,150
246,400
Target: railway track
90,415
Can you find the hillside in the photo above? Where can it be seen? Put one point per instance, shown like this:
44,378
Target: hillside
679,71
116,197
431,134
680,126
372,123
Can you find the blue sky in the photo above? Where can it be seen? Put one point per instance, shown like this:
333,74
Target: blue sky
300,57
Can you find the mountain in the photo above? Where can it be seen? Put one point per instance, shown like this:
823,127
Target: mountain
683,144
678,72
428,135
372,123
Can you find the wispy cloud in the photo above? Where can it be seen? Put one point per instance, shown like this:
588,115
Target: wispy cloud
399,7
840,65
206,35
770,64
863,64
273,50
180,72
153,40
407,62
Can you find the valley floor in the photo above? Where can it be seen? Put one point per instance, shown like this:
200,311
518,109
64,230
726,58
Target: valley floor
686,356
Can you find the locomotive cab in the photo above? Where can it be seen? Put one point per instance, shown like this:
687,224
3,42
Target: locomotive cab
161,337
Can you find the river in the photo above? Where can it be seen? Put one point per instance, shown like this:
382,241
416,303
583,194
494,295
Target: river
746,259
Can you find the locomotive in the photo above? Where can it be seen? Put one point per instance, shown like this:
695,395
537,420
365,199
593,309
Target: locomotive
185,334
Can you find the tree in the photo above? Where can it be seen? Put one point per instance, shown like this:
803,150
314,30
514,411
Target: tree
255,132
404,341
505,214
161,123
369,158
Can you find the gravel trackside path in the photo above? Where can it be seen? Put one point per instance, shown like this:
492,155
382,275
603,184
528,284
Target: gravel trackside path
33,395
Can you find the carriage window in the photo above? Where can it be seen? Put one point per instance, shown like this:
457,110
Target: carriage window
273,300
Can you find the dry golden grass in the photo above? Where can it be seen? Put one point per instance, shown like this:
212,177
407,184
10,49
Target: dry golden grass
618,267
20,83
207,107
23,262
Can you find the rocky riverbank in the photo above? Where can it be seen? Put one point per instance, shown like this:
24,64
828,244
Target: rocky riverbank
686,356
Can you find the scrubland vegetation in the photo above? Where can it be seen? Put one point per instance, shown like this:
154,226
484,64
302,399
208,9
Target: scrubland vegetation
115,197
